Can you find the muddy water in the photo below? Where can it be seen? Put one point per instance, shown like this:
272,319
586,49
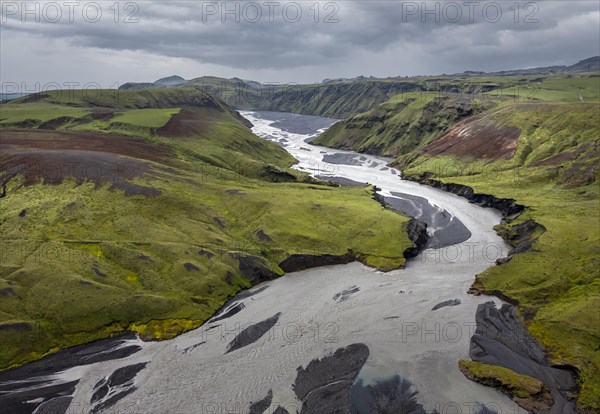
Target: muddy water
287,323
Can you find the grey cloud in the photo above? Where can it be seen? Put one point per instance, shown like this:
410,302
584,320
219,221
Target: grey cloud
179,30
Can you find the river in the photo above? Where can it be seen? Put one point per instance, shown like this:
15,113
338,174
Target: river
402,346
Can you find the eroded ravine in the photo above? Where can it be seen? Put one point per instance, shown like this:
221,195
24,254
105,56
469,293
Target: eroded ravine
323,314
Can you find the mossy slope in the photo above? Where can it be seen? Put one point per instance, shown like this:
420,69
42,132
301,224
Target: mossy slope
82,260
554,172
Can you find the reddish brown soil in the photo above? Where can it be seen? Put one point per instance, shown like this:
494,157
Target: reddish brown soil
85,156
86,141
476,138
186,123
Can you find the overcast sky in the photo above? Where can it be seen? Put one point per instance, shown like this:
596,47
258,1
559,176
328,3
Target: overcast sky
80,42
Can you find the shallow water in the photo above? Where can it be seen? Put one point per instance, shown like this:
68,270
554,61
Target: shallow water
324,309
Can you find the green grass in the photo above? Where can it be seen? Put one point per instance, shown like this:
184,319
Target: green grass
399,125
141,123
557,284
125,99
563,88
85,262
515,384
37,113
150,118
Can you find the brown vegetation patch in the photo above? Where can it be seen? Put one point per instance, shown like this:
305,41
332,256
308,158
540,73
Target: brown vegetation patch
186,123
100,158
476,138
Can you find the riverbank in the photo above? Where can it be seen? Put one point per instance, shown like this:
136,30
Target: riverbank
256,345
553,257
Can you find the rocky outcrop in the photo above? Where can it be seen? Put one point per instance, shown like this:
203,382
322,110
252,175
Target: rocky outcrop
417,233
297,262
254,268
521,236
416,229
509,208
528,392
501,339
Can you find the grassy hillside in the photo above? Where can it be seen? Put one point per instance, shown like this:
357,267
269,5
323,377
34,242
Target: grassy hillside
551,166
340,98
412,120
147,213
345,98
400,125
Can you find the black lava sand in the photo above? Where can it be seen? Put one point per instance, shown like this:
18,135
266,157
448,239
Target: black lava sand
252,333
500,339
20,387
114,388
448,230
324,385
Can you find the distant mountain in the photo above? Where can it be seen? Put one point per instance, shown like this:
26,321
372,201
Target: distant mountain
587,65
253,84
169,81
342,98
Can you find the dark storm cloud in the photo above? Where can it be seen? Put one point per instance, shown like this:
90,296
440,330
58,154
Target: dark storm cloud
462,35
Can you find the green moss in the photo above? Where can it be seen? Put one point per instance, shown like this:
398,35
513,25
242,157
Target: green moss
516,384
163,329
150,118
399,125
37,113
87,261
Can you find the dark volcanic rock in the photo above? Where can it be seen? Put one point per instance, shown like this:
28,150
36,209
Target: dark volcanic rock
522,236
500,339
451,302
297,262
263,237
254,268
98,272
252,333
417,233
503,260
261,406
191,267
508,207
324,385
206,253
21,386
